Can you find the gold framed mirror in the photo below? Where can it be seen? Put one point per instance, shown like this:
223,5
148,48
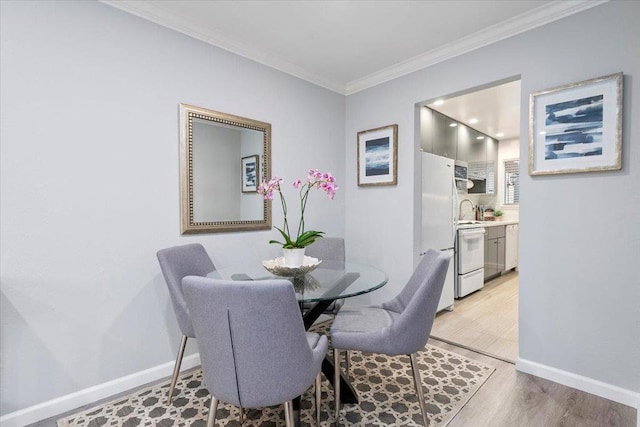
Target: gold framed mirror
223,158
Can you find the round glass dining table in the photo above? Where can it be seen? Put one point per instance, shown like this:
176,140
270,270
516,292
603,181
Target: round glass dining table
329,281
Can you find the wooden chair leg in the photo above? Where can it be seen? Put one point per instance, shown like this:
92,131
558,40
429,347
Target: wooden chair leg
336,381
176,368
417,381
318,397
211,418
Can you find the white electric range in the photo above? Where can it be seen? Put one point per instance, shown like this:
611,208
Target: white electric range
469,258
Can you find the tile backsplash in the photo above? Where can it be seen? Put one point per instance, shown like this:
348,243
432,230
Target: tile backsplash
490,201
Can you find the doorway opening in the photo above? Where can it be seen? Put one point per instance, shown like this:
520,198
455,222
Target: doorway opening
479,129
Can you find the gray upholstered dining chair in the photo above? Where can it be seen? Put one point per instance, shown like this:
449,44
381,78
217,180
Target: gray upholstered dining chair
177,262
331,251
327,249
253,346
399,326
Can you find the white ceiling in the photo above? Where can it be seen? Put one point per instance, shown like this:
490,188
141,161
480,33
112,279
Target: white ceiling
496,109
347,46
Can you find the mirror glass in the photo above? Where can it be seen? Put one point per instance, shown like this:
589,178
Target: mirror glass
223,159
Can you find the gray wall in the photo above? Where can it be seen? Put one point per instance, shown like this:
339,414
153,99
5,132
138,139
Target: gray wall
90,185
579,243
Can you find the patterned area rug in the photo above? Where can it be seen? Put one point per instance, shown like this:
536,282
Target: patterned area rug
384,386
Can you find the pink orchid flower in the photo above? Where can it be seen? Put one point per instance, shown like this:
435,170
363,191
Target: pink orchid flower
322,180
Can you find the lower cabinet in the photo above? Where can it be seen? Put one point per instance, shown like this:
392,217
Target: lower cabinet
494,251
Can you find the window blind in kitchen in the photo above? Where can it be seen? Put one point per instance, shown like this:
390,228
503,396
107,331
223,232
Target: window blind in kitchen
511,182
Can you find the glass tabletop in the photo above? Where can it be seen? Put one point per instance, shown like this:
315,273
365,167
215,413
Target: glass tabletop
329,281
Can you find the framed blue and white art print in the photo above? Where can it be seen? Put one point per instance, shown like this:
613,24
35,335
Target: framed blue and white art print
250,173
378,156
577,127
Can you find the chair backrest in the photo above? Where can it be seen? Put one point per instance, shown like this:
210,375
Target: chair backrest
328,249
177,262
417,304
253,346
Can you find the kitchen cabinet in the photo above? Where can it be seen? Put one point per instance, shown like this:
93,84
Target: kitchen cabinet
445,137
494,251
462,143
437,136
490,165
477,172
426,129
483,158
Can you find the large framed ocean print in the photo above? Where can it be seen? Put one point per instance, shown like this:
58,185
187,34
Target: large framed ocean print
378,156
576,127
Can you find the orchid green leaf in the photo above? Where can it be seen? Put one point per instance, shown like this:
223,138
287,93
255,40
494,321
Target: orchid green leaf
324,182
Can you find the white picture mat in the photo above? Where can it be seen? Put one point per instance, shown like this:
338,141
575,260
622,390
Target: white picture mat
608,88
363,137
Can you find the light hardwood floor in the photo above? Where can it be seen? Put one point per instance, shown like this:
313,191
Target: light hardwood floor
514,399
486,320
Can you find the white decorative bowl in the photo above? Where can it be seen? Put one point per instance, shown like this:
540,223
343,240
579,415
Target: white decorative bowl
278,267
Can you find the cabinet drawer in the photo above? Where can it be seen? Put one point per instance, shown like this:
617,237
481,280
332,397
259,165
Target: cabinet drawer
495,232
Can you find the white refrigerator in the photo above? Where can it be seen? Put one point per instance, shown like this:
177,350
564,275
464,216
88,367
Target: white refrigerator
439,213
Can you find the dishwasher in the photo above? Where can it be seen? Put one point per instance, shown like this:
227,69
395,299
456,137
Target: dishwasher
470,260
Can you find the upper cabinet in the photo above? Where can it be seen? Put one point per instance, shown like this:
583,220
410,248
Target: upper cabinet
426,130
477,163
464,143
492,165
443,136
438,136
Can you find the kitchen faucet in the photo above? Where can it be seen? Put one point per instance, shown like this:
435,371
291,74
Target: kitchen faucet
473,207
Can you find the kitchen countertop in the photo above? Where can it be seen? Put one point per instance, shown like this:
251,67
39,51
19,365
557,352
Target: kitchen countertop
485,224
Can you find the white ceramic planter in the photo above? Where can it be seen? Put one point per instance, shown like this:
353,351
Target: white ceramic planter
293,257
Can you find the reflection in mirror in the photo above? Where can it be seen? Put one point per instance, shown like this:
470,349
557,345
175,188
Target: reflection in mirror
223,158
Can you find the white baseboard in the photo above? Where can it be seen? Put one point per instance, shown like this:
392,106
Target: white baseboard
586,384
89,395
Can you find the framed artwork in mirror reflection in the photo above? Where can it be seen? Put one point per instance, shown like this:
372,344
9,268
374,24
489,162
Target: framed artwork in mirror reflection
577,127
378,156
250,173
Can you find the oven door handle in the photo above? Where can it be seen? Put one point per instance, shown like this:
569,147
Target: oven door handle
472,234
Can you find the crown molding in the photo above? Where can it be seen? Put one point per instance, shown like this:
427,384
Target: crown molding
519,24
154,12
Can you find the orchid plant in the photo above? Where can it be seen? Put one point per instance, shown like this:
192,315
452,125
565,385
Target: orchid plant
323,181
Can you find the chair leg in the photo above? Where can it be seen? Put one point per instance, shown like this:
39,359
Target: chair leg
211,418
318,397
241,416
336,381
417,381
288,414
176,368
